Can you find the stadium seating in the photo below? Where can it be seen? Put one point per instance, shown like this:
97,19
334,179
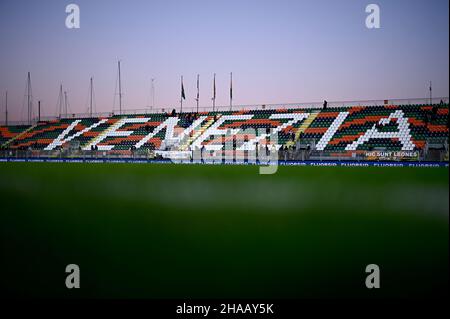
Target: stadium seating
44,134
336,130
7,133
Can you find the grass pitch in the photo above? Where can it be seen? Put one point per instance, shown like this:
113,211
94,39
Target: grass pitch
198,231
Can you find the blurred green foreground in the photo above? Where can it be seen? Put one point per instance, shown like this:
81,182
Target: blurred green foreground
192,231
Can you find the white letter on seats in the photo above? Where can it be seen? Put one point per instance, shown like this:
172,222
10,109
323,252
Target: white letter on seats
214,130
294,118
60,139
113,132
326,138
403,133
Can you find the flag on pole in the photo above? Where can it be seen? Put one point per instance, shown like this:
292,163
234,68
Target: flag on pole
231,85
198,86
183,96
214,87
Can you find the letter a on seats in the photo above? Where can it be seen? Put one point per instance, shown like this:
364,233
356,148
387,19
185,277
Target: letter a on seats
403,134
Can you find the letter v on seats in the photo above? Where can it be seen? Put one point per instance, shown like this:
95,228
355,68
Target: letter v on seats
60,140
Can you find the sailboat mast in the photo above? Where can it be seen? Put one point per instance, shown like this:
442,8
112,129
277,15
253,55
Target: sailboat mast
91,95
120,91
153,93
65,103
29,107
6,109
60,100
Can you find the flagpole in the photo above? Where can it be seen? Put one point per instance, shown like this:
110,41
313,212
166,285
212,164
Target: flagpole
181,97
431,94
214,92
198,89
231,90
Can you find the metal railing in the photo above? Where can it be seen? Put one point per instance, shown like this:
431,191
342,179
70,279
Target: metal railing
287,155
247,107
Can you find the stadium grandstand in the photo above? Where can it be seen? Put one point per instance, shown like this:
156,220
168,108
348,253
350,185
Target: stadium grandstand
233,158
390,130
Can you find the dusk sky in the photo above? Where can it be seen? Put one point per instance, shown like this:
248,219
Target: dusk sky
279,51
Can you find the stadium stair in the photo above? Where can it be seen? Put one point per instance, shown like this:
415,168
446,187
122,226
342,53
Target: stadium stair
99,137
306,123
198,133
19,135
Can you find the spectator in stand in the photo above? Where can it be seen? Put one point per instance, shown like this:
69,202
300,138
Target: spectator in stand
426,119
300,136
202,151
435,111
280,153
273,149
325,103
